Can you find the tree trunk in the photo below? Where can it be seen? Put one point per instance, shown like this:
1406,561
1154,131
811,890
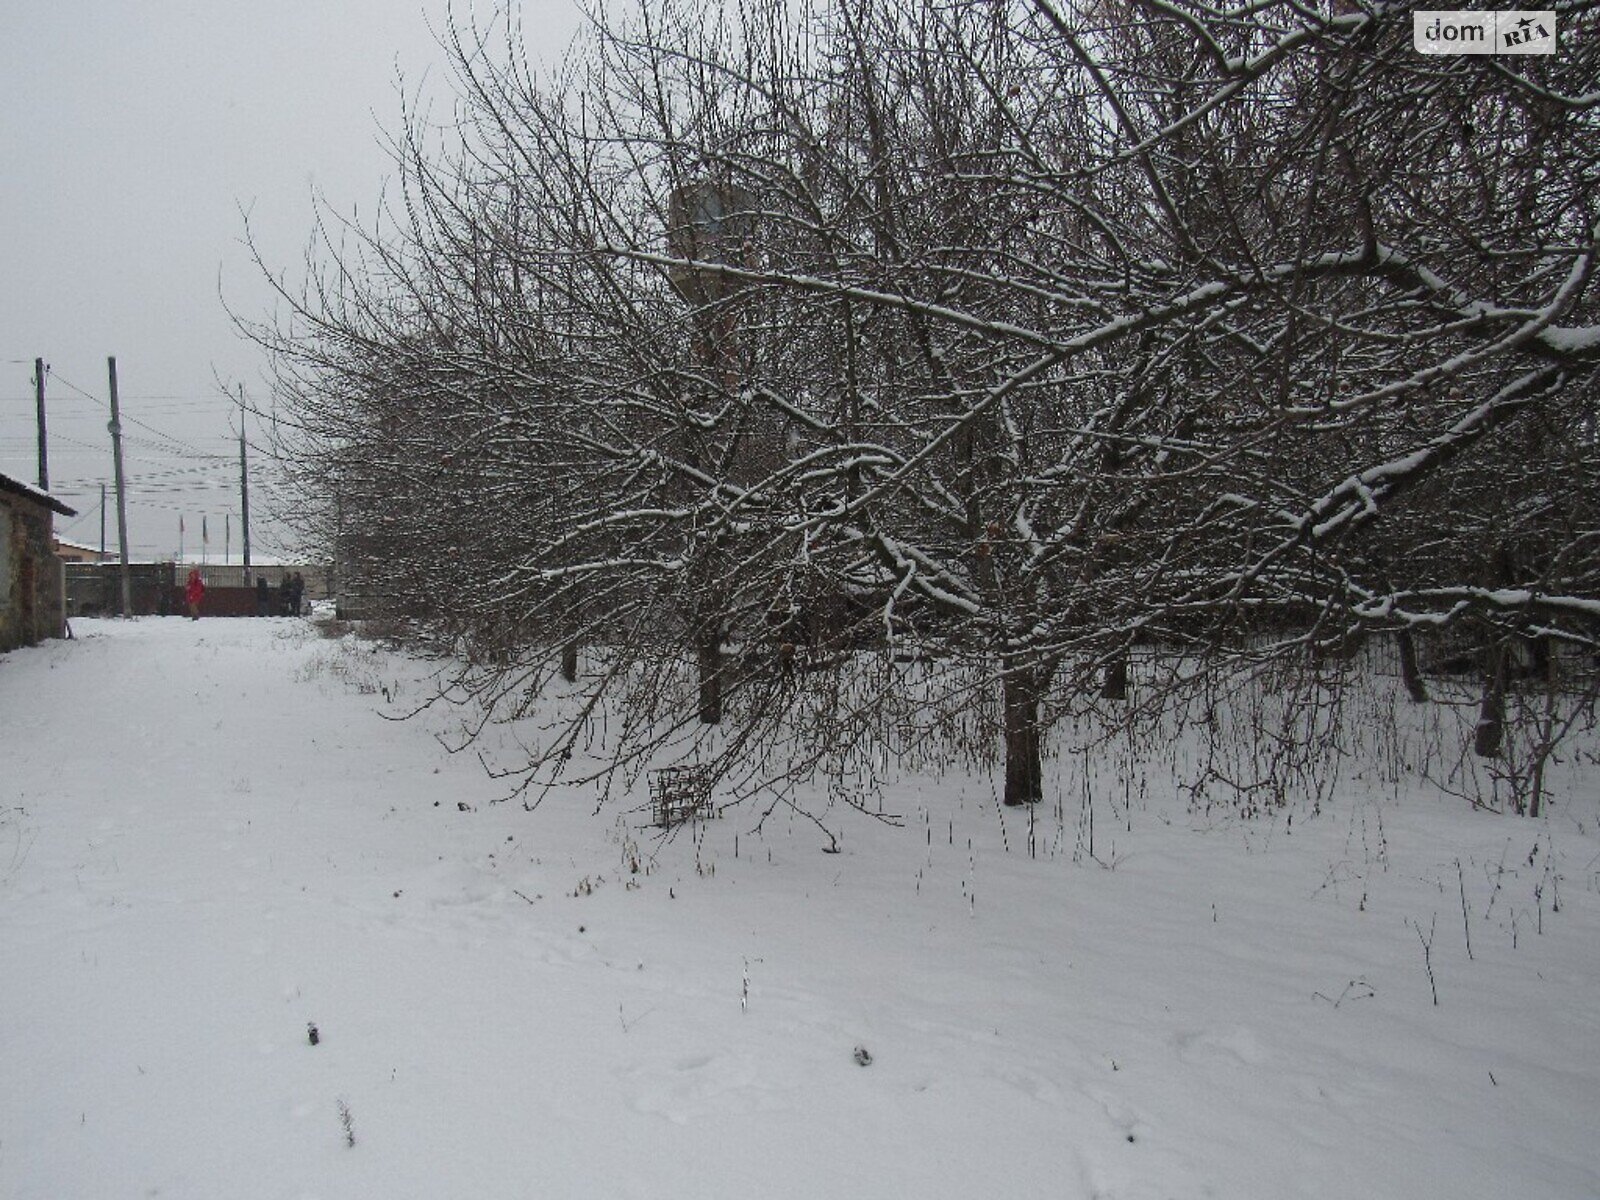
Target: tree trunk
708,652
1115,684
1410,672
1491,729
1020,694
1542,659
569,660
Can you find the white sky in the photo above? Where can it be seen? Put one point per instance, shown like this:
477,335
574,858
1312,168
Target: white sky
132,135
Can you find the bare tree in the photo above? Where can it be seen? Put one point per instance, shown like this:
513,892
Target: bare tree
800,359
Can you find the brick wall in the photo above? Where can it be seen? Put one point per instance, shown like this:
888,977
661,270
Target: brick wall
31,606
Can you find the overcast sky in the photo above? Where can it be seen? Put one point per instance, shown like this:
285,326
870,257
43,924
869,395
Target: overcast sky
133,134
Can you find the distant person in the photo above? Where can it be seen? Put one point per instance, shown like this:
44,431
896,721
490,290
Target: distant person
263,597
297,592
194,592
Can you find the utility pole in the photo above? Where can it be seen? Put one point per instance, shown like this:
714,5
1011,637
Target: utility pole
244,491
122,497
44,456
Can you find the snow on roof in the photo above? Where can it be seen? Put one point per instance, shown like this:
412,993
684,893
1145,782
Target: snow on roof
8,484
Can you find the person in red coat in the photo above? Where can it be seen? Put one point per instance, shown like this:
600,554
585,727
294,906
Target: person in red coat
194,592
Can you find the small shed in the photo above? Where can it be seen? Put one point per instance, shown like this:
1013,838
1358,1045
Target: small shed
32,597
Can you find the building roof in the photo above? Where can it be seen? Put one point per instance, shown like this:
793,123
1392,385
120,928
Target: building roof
61,541
17,487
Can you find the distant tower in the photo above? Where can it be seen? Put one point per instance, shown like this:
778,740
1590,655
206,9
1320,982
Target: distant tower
709,222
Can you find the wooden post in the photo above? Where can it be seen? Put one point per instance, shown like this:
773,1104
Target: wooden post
244,491
122,497
44,454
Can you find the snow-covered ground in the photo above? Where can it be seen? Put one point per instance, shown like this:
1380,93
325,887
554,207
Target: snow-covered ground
211,840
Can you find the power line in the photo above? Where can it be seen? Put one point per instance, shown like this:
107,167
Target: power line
22,443
82,517
174,440
200,455
72,387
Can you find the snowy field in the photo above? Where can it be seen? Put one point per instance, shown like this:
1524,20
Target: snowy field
211,841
